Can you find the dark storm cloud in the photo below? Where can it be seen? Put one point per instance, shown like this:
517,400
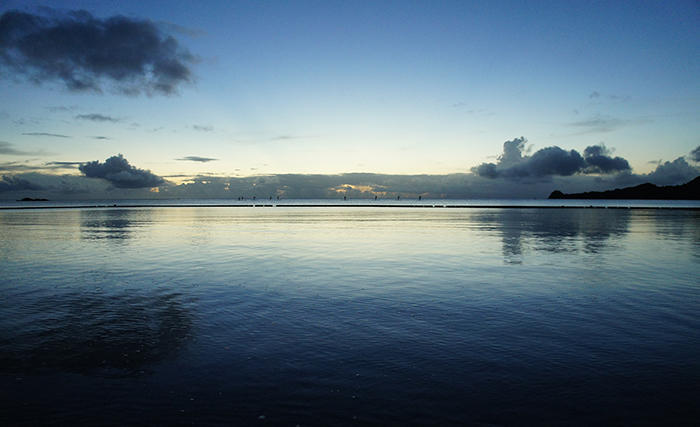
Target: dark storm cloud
120,173
673,173
695,154
86,53
549,161
598,160
15,183
197,159
94,117
54,135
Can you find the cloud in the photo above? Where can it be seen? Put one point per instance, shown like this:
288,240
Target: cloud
54,135
275,139
86,53
6,148
175,28
120,173
15,183
203,128
60,108
695,154
355,185
65,165
671,173
598,159
97,118
287,137
549,161
197,159
599,124
100,137
27,166
619,98
512,152
612,97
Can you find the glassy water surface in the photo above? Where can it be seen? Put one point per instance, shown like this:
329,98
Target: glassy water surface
317,316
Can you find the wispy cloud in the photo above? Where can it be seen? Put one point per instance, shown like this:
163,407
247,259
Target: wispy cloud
619,98
22,121
95,117
27,166
100,137
462,107
287,137
600,97
65,165
283,137
203,128
61,108
8,149
602,124
197,159
176,28
54,135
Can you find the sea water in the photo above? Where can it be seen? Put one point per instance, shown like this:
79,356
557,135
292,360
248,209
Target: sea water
349,315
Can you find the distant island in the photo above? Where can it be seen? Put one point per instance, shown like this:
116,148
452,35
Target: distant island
29,199
687,191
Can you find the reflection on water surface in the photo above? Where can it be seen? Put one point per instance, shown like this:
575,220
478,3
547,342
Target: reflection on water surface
339,316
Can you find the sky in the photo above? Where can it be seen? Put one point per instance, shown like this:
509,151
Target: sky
511,98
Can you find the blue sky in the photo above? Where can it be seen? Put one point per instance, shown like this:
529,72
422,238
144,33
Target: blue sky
382,87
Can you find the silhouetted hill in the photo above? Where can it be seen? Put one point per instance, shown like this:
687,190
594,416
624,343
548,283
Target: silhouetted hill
687,191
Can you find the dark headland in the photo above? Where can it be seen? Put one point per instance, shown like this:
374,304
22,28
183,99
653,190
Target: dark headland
687,191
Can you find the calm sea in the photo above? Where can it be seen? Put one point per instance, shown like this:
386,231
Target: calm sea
349,315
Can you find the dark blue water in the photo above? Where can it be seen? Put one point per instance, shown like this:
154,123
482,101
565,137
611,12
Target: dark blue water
334,316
